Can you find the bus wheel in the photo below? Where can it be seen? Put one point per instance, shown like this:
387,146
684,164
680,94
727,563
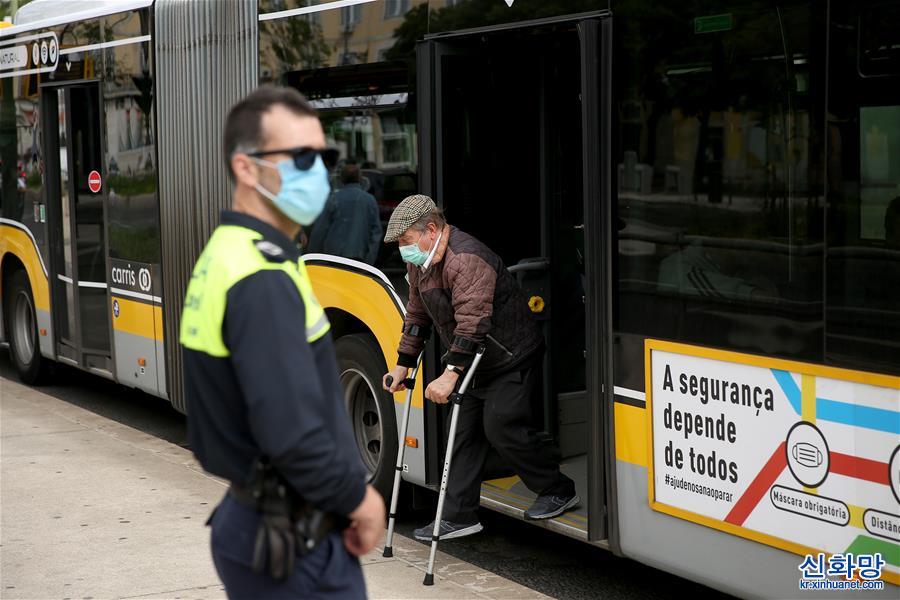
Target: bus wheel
22,329
371,409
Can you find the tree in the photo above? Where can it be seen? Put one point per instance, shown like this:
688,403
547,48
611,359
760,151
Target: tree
8,8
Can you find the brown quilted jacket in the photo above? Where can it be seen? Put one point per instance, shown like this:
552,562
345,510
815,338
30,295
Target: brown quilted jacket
471,299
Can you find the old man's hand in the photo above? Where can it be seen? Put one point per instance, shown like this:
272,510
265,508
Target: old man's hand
439,390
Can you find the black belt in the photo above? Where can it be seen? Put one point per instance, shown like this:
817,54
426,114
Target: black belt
328,522
292,528
245,495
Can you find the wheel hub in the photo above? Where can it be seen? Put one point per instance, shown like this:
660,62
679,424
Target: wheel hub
23,328
365,416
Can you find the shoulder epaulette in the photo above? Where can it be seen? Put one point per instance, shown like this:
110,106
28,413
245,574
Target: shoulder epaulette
273,252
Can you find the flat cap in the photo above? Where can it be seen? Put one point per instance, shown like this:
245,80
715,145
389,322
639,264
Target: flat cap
410,210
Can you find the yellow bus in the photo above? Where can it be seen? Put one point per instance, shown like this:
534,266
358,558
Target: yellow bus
701,201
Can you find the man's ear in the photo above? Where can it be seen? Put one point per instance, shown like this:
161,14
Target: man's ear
246,172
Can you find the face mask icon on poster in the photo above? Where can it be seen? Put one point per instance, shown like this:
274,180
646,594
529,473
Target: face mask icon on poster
807,454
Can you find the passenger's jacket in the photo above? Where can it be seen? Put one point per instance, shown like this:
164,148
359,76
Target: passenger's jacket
471,299
349,226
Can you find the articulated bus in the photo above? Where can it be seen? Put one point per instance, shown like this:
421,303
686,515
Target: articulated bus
701,201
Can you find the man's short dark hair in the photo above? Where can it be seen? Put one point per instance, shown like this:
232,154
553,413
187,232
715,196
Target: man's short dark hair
350,173
243,126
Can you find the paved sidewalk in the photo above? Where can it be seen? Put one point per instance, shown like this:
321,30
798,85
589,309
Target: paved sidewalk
91,508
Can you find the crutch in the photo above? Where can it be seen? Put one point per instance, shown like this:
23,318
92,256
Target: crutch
410,383
456,398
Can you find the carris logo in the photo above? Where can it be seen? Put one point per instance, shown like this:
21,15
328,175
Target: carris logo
124,276
144,279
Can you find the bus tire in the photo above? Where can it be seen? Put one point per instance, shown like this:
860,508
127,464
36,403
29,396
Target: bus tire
371,409
22,329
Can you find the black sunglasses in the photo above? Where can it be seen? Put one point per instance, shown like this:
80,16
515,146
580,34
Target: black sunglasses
304,158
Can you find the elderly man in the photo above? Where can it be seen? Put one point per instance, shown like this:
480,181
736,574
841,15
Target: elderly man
458,285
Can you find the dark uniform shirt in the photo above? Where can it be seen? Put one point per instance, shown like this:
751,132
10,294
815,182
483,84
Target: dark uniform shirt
261,379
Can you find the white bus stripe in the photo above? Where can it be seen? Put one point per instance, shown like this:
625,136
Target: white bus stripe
361,266
311,9
628,393
7,74
138,295
64,278
77,15
113,44
92,284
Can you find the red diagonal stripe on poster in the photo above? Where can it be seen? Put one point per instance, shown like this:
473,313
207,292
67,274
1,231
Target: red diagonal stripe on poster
860,468
758,488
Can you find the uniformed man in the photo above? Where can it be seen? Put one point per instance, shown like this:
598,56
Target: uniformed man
263,394
462,288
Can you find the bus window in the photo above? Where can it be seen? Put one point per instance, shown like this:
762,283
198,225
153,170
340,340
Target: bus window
719,180
863,161
357,68
128,97
368,116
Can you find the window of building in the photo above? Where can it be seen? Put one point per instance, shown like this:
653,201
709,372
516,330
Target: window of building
351,15
396,8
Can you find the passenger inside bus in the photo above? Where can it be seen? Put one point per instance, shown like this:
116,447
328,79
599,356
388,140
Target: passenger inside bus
349,226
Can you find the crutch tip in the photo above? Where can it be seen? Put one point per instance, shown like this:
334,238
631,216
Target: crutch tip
388,552
429,579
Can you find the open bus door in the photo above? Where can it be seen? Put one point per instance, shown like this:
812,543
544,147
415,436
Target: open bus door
76,203
509,133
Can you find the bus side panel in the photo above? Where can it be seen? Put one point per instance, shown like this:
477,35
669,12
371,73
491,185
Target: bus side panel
136,339
15,241
159,328
366,299
714,558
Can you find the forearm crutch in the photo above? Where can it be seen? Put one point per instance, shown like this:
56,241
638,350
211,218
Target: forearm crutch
410,383
457,399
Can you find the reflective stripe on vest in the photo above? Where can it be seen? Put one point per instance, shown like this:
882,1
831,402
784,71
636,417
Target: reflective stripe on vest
230,256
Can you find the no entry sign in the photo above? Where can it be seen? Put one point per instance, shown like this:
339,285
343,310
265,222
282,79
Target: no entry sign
94,182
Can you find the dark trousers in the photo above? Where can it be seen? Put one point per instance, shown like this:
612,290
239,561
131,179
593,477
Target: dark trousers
497,413
329,571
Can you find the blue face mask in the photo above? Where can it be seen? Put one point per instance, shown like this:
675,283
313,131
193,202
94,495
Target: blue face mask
413,254
303,193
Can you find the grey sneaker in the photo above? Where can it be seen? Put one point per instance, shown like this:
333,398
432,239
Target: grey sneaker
448,530
549,506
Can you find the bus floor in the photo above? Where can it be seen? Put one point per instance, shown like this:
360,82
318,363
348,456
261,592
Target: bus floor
509,496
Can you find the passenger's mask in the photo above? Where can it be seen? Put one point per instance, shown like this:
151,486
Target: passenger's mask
413,254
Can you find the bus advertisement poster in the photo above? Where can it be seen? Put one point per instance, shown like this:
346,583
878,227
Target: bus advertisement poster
798,456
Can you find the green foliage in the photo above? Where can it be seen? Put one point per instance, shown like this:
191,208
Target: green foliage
136,185
135,243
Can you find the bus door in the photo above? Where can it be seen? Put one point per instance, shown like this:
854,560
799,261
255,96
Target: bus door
510,149
73,151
